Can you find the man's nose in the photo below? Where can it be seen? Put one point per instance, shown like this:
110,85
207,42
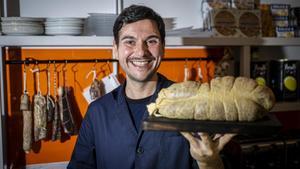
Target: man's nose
141,49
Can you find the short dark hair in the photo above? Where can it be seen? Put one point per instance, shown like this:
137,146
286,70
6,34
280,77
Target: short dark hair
135,13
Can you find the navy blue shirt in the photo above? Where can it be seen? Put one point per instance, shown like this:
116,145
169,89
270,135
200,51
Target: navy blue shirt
108,138
136,108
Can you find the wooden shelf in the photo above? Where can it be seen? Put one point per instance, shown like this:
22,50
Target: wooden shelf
286,106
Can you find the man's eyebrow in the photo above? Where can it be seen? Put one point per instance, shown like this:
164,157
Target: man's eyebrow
153,36
127,37
149,37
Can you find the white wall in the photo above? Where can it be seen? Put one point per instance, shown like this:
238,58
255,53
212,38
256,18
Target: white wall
187,12
65,8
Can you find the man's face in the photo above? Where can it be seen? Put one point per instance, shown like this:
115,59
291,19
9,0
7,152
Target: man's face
140,50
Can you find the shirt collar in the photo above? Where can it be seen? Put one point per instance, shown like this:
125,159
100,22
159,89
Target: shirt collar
160,84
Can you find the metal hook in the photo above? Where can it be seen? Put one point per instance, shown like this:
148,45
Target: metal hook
94,66
35,67
48,65
64,68
55,68
93,70
74,68
107,63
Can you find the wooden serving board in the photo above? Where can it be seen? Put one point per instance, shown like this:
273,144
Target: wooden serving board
266,126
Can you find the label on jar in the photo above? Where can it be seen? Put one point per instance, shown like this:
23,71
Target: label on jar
224,23
244,4
249,23
218,4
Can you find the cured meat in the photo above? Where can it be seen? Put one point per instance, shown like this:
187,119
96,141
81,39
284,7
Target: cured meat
65,111
27,115
96,89
27,130
224,98
56,128
40,117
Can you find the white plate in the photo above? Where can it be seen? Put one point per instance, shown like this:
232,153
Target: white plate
63,32
64,19
51,24
33,24
26,19
24,30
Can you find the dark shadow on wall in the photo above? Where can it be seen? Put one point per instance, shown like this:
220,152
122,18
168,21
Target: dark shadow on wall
13,8
14,120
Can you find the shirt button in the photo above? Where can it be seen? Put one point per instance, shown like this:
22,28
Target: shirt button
140,150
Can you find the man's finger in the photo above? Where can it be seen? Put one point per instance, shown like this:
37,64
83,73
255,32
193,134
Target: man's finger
217,136
205,138
189,137
224,140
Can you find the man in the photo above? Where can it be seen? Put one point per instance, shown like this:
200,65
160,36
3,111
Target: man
111,137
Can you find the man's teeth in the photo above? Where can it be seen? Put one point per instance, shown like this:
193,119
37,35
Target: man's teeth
140,63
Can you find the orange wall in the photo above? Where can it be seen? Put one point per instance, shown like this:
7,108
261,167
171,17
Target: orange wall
47,150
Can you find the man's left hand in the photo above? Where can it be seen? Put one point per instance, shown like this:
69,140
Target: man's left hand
205,149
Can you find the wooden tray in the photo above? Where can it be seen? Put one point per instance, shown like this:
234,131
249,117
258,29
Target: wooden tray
268,125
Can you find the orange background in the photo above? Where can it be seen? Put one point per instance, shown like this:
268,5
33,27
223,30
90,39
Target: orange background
48,151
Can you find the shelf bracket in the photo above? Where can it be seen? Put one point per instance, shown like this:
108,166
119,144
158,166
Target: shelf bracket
245,59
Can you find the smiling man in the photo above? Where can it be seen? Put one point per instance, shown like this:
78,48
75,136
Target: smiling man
111,137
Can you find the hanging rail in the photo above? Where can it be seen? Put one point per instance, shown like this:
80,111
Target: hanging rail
37,61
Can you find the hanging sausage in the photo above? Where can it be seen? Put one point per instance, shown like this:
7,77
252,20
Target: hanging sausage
56,129
67,119
50,102
39,112
27,115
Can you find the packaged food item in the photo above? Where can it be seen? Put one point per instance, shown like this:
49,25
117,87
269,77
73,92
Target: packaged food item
285,32
260,72
283,77
218,4
267,26
249,23
281,21
224,22
280,9
244,4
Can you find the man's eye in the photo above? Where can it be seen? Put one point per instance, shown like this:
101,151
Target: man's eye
152,42
130,42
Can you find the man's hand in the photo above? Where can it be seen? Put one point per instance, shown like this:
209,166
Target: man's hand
206,150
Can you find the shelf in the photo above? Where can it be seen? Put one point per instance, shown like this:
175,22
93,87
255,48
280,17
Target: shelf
286,106
241,41
170,41
37,41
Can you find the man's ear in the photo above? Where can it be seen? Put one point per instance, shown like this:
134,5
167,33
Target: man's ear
115,50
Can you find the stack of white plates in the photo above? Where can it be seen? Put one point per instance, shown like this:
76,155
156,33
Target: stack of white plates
100,24
64,26
169,23
22,26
